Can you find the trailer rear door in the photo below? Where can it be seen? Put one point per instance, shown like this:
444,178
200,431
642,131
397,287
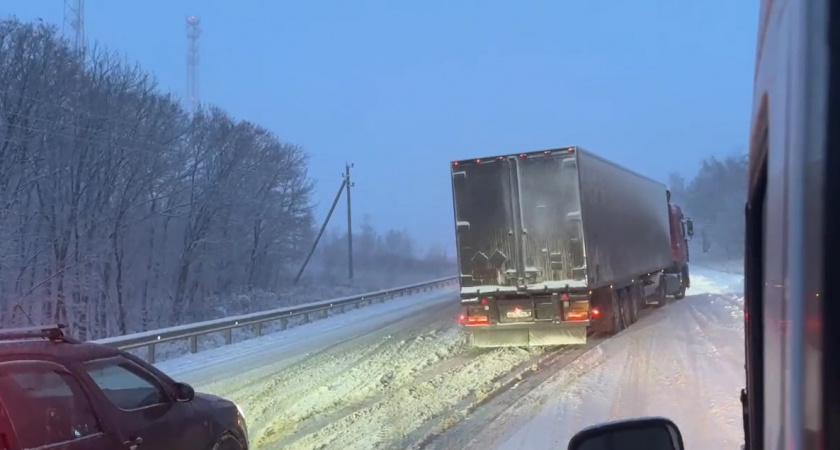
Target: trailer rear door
486,217
552,233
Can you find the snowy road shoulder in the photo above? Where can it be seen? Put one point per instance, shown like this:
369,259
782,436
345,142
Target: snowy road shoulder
230,361
684,361
368,378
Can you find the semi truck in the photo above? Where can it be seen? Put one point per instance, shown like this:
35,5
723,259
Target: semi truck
554,245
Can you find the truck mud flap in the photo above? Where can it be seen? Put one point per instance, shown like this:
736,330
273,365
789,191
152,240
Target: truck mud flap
527,337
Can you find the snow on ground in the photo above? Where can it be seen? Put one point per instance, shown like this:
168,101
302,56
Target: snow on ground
388,375
684,361
357,380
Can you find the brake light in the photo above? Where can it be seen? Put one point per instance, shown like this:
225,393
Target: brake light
484,302
462,318
478,320
595,313
576,315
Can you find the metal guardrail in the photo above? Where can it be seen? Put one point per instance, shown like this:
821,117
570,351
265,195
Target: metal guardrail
192,331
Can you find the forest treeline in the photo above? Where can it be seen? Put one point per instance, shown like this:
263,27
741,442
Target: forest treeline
121,211
714,199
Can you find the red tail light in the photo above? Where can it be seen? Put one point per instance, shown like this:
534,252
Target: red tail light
595,313
484,302
576,315
464,318
478,320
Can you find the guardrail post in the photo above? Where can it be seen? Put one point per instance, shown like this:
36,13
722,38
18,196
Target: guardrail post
228,336
150,355
193,344
260,328
305,317
284,323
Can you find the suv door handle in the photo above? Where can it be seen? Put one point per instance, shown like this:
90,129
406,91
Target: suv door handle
133,443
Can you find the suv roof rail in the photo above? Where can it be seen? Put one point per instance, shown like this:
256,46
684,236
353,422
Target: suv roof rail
50,332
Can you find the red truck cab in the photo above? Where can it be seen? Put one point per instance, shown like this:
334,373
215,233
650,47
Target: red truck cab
682,229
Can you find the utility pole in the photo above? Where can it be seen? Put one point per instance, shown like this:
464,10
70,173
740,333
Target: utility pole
349,184
345,184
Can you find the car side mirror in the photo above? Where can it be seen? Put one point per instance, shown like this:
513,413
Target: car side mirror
689,226
184,392
655,433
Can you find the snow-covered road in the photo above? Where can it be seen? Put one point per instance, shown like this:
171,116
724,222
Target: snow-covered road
400,375
684,361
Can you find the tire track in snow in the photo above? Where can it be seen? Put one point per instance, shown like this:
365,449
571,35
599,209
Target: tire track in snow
347,372
482,415
634,376
341,394
390,417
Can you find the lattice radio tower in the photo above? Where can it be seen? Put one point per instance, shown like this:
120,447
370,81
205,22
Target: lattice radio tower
74,19
193,32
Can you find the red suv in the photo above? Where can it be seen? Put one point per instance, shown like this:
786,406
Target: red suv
59,393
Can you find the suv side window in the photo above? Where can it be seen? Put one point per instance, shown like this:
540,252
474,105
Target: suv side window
50,407
127,386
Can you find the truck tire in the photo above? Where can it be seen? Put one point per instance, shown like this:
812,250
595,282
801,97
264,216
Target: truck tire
680,294
616,312
626,298
635,297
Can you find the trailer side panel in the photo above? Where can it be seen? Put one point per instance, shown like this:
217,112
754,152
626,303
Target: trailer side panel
625,222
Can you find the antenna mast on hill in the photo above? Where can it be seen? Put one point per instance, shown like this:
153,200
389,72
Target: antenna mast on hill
74,19
193,32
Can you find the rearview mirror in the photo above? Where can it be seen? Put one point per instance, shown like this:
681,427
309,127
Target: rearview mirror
184,392
652,433
689,226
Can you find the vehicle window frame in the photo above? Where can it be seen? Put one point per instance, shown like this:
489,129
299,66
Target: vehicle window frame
78,390
136,370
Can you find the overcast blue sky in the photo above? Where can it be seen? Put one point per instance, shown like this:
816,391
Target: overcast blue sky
401,88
